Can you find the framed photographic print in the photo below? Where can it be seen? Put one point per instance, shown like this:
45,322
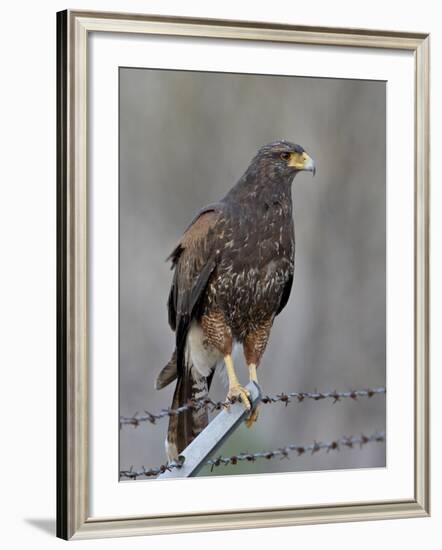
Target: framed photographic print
242,273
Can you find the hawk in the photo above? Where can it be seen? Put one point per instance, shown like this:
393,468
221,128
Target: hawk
233,273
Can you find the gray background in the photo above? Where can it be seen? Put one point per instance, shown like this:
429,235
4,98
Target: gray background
185,138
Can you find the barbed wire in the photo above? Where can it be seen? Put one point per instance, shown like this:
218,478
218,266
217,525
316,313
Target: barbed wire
283,452
313,448
285,398
150,472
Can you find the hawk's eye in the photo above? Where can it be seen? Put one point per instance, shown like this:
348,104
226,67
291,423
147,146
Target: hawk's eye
285,155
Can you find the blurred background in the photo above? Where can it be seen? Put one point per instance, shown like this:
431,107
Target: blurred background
185,139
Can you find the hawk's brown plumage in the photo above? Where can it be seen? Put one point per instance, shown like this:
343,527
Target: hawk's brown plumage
233,272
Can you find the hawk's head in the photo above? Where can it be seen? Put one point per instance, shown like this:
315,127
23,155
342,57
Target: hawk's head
283,159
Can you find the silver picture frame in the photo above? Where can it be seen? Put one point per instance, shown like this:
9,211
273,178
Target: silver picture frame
73,518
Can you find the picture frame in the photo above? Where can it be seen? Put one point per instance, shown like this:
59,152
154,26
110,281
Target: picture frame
74,226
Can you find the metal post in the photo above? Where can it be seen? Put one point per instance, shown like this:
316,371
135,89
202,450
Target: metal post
195,455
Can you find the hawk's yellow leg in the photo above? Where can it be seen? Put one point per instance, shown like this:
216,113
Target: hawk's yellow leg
252,373
253,417
235,388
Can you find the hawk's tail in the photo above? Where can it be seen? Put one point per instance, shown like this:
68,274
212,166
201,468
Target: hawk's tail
184,427
167,374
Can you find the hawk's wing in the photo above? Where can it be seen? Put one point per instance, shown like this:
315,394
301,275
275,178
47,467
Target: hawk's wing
194,260
285,294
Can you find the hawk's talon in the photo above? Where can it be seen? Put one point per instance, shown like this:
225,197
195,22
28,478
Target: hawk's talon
252,418
238,392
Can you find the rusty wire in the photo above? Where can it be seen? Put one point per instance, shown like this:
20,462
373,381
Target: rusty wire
283,452
282,397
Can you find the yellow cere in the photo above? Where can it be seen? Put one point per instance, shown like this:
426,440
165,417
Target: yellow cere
297,160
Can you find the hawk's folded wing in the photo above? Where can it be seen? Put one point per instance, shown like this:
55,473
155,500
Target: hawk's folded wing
194,260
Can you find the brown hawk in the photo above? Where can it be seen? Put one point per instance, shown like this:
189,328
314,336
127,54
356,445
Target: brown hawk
233,272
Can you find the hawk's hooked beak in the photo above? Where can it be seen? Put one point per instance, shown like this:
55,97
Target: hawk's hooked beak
309,164
302,162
